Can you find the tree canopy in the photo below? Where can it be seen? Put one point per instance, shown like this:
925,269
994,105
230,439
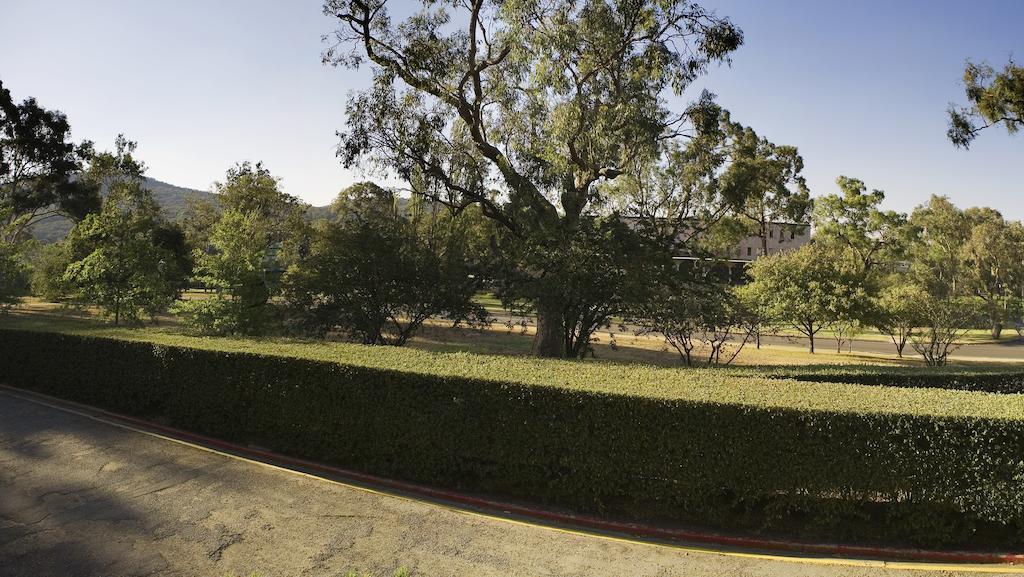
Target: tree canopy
541,101
993,97
37,164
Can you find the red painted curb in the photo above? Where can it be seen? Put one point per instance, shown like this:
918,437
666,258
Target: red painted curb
680,536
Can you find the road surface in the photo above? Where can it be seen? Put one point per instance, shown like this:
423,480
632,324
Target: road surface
1001,351
80,497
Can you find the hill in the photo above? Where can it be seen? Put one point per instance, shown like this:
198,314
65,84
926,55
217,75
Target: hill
172,199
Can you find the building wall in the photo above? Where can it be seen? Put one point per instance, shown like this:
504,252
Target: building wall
781,237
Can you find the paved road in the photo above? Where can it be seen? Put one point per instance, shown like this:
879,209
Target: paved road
79,497
1003,351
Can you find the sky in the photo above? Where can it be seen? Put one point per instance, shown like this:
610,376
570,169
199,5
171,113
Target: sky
861,88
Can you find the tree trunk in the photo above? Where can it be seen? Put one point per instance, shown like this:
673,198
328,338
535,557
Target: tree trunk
997,330
550,338
810,337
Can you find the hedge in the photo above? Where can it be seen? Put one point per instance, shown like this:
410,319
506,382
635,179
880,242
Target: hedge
1005,380
707,449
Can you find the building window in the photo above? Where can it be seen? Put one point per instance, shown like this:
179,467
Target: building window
771,234
748,251
792,235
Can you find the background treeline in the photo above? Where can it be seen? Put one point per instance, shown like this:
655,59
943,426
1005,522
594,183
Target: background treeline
378,264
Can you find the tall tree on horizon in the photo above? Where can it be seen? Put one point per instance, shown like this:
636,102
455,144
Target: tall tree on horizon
541,101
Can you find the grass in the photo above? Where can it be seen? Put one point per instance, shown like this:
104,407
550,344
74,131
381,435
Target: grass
737,386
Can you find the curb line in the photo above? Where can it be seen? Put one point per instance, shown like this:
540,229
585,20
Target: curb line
674,536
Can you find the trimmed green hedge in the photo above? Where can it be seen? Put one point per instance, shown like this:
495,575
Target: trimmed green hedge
1006,380
924,467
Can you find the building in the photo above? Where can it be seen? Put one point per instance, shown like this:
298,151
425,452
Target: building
782,237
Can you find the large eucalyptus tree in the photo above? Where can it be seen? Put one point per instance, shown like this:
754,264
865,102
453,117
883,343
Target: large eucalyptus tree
522,107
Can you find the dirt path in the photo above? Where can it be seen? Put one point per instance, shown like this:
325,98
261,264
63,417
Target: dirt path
79,497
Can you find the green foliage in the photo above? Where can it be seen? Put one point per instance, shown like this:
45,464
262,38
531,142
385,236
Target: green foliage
602,269
995,98
968,254
855,220
944,321
14,275
766,181
377,273
688,314
542,104
809,288
49,263
37,161
708,447
896,311
117,261
249,244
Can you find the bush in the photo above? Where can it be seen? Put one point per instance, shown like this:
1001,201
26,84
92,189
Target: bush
13,276
377,274
703,447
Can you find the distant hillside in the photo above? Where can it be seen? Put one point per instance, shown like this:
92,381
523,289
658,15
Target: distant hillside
172,199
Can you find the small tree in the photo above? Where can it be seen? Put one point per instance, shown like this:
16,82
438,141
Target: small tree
118,264
257,233
689,314
13,275
944,321
809,288
377,273
896,313
49,264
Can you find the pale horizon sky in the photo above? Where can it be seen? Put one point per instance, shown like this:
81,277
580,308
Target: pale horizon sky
861,88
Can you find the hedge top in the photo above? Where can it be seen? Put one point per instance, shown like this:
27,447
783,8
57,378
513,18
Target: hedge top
694,385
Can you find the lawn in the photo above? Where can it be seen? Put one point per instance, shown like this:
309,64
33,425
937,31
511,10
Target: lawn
508,335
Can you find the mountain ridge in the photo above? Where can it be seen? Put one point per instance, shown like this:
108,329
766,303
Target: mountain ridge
173,200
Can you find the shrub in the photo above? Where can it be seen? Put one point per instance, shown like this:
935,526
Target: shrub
13,276
377,273
704,447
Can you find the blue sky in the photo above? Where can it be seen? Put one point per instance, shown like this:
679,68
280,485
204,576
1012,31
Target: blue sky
860,87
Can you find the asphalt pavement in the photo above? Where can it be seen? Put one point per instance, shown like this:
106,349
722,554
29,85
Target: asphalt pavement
83,497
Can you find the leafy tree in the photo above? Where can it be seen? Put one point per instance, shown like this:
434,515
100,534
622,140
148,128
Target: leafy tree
809,288
896,312
943,321
240,265
378,272
13,275
37,165
259,231
198,221
689,314
603,269
767,177
993,264
119,256
936,234
49,262
968,253
117,261
855,220
541,101
995,98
